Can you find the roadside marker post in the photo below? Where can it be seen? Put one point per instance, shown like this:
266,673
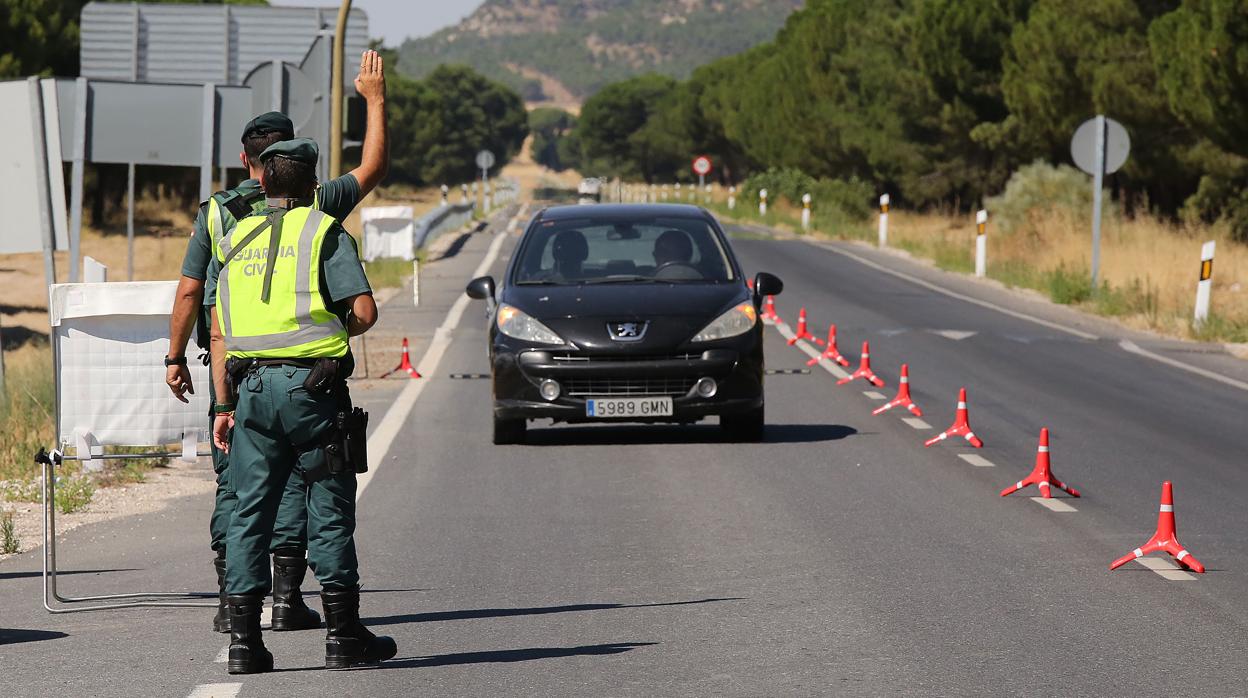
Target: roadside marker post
1205,284
884,199
415,284
805,211
732,198
981,243
445,190
762,202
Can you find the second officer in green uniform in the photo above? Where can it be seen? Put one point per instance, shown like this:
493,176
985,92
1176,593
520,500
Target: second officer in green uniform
288,290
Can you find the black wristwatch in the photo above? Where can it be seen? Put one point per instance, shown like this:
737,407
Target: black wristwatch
180,361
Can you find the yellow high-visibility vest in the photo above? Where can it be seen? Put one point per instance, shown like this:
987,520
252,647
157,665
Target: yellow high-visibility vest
292,322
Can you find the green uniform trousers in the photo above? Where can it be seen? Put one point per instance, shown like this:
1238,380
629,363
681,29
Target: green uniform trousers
278,429
290,529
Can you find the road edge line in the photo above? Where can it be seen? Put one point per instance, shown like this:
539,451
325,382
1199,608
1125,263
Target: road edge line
1133,348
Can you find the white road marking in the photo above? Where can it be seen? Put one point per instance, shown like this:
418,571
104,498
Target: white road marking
955,335
916,422
1132,347
1054,504
223,656
381,440
216,690
976,460
962,297
874,395
1165,569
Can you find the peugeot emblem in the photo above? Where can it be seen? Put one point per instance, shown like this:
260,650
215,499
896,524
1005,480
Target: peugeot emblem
626,331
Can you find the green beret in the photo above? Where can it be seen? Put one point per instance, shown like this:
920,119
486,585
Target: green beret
298,149
270,122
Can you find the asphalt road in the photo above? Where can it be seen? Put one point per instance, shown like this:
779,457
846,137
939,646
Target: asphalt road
840,557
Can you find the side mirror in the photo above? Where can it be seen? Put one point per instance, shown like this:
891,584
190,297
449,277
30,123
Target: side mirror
767,285
481,288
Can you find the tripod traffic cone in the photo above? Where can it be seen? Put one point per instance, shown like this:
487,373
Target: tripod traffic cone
903,396
831,353
864,370
769,310
405,364
802,332
1042,474
1165,539
961,425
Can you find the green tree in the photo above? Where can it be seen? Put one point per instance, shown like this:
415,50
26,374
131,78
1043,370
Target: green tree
615,128
550,128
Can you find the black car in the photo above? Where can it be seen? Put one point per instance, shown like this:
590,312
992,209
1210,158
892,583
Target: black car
625,313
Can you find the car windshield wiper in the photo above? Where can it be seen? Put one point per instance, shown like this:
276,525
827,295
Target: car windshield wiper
622,280
540,282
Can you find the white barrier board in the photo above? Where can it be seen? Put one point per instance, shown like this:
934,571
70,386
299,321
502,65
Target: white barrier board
389,232
111,339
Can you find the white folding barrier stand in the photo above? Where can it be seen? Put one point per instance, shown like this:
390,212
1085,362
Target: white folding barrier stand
108,342
389,232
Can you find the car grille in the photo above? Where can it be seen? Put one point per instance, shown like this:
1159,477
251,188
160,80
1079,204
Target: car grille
676,386
623,358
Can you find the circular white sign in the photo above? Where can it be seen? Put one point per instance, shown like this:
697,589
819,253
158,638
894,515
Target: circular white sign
702,165
485,160
1083,146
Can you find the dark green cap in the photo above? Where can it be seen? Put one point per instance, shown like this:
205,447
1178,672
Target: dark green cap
298,149
270,122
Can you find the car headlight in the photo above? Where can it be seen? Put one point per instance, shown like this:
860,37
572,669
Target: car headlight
517,324
736,321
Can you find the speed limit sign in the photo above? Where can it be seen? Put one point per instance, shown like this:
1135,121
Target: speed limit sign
702,165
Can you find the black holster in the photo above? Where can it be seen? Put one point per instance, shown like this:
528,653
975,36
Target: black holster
347,447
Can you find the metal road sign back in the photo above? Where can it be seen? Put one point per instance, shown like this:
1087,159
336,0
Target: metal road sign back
485,160
1083,146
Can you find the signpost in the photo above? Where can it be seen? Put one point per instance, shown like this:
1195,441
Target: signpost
1099,147
485,160
702,167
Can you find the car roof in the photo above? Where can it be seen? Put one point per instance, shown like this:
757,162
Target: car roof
621,211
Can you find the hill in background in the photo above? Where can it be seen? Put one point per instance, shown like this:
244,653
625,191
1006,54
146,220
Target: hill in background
562,51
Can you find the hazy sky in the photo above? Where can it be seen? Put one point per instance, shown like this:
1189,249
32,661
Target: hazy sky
395,20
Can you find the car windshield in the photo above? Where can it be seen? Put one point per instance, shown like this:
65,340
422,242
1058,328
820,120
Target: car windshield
638,250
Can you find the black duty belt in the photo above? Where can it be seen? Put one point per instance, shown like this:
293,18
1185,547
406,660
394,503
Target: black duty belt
298,363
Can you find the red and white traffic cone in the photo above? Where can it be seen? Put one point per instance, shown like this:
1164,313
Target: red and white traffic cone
1042,474
405,364
831,353
769,310
750,284
1165,539
802,332
903,396
961,426
864,370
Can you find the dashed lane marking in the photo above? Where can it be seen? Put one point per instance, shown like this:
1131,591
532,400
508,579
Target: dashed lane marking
1166,569
1129,346
216,690
874,395
960,296
955,335
381,440
223,656
1054,505
916,423
976,460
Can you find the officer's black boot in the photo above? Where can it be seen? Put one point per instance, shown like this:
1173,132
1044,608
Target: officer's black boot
289,610
221,623
248,654
348,642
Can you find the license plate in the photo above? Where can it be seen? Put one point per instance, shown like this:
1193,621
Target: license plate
625,407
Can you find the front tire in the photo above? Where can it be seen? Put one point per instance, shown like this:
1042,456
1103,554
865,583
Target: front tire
509,431
746,427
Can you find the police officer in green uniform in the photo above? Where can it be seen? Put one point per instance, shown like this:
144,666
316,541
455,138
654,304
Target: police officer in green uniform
338,198
287,290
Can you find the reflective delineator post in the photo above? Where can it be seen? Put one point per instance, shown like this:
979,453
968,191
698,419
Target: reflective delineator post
864,370
1165,539
405,364
884,220
1042,475
961,425
805,211
981,243
445,191
903,396
1205,284
762,202
831,352
732,198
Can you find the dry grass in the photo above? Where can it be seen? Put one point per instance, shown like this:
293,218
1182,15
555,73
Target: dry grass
1149,266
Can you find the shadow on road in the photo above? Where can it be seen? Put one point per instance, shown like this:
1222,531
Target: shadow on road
60,573
603,435
15,636
434,616
527,654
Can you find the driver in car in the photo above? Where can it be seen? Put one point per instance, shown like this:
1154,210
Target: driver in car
570,250
672,251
